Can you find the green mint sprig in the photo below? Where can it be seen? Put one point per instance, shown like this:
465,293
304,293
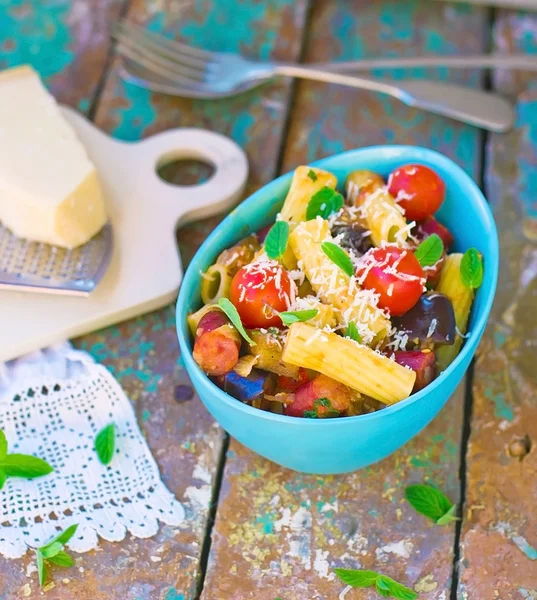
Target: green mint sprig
20,465
385,586
105,444
324,203
276,240
339,257
471,269
316,414
53,552
233,316
352,332
297,316
430,251
431,502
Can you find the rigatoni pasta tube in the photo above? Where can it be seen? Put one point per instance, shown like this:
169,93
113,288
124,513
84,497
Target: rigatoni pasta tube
356,366
378,209
306,182
215,284
462,298
330,282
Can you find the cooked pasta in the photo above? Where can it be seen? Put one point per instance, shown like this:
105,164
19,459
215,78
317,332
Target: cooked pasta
378,210
331,284
303,186
343,307
461,298
355,365
215,284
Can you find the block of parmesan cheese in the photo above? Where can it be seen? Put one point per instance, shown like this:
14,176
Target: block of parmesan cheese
49,189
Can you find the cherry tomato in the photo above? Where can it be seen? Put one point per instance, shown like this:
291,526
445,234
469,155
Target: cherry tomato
334,398
395,274
260,290
418,190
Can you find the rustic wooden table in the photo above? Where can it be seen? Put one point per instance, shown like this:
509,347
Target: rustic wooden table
253,530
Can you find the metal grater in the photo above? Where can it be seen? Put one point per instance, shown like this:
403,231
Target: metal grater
35,267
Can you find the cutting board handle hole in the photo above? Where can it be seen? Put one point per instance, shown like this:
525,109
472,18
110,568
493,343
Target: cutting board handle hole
184,171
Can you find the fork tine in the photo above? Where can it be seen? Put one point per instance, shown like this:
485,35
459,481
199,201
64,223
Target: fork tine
192,57
156,63
140,76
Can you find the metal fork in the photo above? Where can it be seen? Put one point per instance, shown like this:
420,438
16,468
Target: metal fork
157,63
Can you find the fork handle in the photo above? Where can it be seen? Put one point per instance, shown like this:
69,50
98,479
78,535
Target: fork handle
525,62
477,107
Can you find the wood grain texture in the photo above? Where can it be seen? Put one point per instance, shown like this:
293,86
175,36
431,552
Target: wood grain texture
499,537
279,534
67,41
144,354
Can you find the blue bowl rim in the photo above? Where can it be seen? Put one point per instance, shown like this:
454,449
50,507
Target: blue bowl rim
416,153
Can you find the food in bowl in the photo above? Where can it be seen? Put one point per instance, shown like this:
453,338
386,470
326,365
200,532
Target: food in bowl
346,304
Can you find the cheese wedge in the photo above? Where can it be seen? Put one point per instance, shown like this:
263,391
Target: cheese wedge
49,189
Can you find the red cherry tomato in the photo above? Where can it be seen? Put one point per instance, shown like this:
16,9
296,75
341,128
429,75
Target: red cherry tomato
260,290
395,274
418,190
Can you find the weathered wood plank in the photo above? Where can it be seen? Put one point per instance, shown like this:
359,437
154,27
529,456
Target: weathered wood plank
143,354
67,41
279,533
499,537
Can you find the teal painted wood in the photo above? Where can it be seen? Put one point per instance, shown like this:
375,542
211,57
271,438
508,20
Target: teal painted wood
143,354
66,41
278,533
499,536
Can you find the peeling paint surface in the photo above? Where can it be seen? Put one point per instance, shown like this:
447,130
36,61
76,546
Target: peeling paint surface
499,536
279,534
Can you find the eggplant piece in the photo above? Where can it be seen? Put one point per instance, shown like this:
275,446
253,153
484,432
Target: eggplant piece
431,320
247,389
423,362
355,238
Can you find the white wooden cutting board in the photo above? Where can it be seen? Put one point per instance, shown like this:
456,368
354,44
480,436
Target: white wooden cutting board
145,269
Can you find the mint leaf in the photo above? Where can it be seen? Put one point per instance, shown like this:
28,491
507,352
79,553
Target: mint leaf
290,317
339,257
353,333
41,568
51,550
357,577
276,240
3,445
62,559
24,465
105,444
3,478
430,251
63,537
429,501
448,517
389,588
323,203
312,175
233,316
385,586
472,268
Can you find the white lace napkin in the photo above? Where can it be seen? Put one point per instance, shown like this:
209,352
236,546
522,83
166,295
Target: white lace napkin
52,405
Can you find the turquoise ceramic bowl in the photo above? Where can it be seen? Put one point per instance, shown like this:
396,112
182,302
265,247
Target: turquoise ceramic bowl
346,444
